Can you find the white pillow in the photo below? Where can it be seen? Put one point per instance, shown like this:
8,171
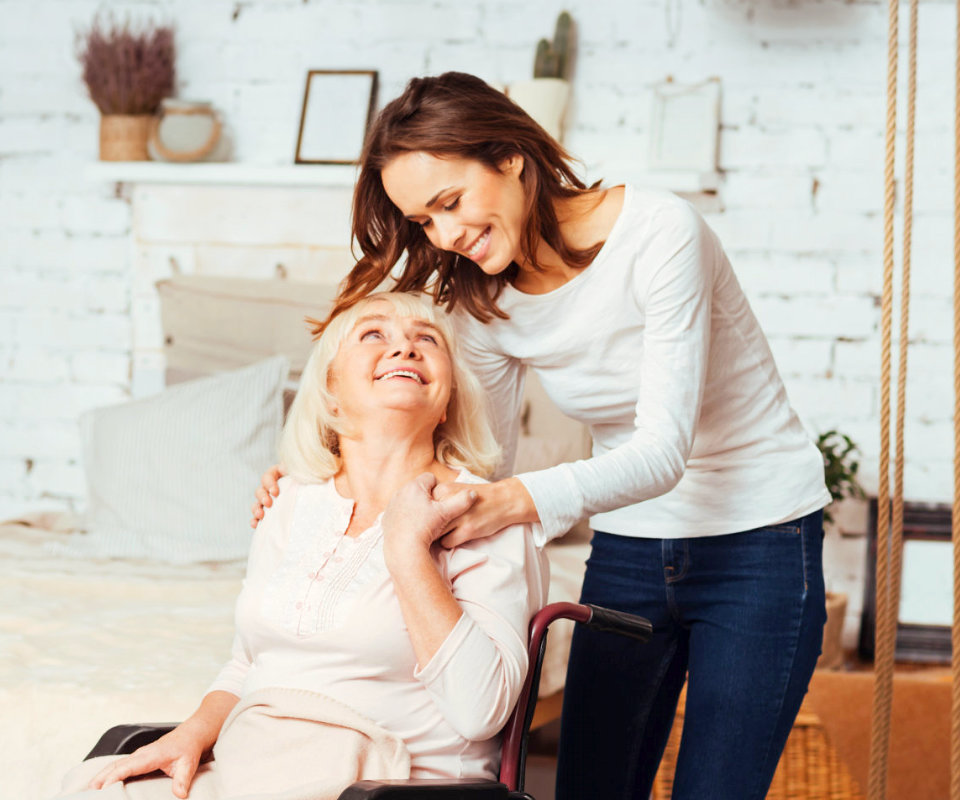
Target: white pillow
172,477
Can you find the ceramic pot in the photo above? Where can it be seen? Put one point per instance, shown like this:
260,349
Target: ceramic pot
832,655
123,137
544,99
184,131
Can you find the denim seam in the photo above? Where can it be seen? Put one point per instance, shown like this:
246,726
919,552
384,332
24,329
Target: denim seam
685,565
668,589
786,678
635,756
803,562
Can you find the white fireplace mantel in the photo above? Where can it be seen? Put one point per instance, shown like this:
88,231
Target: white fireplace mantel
230,220
223,174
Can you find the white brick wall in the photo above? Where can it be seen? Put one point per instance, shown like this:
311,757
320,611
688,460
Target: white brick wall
801,146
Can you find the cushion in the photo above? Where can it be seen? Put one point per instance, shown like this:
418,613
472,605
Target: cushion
171,477
212,323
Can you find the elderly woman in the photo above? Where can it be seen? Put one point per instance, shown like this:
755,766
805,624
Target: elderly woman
362,650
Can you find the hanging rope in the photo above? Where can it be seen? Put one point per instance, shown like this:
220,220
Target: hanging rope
955,635
882,694
890,527
896,532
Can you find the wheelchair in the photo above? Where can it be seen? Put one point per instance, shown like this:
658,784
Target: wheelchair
124,739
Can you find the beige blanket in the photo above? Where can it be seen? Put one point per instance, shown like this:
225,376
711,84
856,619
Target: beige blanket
277,744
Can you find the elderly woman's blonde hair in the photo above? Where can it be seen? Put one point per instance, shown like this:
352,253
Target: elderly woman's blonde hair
309,447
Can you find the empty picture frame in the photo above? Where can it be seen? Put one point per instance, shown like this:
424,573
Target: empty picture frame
337,108
685,126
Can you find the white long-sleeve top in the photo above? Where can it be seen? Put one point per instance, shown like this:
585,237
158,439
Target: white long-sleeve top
655,348
318,611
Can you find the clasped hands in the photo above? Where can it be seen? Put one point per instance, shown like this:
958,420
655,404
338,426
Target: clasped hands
455,512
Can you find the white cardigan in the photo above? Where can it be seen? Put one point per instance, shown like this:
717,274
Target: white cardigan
318,611
656,349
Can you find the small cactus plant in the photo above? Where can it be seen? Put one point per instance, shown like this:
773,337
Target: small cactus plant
552,58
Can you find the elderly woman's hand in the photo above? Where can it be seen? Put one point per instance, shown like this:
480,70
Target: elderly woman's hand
418,515
177,754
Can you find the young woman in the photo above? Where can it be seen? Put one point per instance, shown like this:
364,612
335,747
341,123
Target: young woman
704,491
362,650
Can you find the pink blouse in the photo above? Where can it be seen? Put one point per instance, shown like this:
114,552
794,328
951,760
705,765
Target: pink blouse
318,611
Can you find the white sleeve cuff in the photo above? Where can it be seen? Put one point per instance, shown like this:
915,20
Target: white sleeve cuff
558,500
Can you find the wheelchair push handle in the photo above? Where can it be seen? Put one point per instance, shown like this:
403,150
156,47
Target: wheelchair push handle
606,619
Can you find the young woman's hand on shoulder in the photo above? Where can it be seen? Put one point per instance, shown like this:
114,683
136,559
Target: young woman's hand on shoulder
268,489
498,506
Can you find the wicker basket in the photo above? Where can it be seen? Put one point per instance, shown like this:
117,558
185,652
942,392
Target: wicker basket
123,137
808,770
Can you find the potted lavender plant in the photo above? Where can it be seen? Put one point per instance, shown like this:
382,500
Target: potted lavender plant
128,73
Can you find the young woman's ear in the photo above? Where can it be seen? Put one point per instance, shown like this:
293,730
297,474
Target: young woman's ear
513,165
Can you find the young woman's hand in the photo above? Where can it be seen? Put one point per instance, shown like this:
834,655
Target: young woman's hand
266,492
418,514
498,505
177,754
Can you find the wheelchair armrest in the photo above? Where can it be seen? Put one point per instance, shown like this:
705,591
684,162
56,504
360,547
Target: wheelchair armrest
414,789
123,739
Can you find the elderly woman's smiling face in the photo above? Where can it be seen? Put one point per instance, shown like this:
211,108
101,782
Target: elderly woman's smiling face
391,362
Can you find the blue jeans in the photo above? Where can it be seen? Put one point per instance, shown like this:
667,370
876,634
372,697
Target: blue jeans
743,613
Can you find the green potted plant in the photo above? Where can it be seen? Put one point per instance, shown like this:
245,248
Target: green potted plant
545,97
128,73
840,467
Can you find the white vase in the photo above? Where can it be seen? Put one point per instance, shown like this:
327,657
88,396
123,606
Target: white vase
544,99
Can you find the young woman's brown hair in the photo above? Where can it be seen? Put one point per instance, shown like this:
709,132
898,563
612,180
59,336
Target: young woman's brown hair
455,115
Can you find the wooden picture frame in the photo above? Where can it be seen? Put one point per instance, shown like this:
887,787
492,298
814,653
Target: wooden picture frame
923,629
685,126
337,110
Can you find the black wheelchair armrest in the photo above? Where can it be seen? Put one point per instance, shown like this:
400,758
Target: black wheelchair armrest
123,739
442,789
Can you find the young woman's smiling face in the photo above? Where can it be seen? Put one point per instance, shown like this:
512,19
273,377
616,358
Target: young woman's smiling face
388,361
463,206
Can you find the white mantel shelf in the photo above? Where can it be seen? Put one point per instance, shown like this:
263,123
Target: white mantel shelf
225,174
238,174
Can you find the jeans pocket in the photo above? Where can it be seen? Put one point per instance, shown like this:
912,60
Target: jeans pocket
784,527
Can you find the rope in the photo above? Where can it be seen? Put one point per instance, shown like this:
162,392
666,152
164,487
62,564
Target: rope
896,533
885,625
955,635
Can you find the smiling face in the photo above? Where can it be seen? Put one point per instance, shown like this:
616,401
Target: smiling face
391,362
463,206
